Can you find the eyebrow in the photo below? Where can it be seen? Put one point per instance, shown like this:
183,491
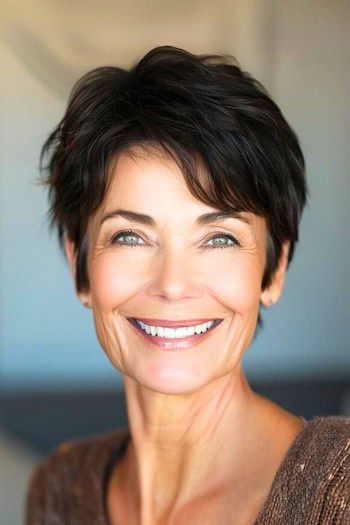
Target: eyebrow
202,220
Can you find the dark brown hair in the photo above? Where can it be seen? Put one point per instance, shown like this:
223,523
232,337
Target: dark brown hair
195,107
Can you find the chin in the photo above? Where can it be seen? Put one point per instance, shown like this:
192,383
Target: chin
172,382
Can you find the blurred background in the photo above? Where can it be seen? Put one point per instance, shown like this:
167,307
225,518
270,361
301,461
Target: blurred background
55,381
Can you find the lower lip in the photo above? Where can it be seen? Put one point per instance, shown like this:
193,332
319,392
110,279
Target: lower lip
182,343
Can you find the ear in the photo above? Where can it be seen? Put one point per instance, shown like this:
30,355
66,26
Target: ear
272,293
84,297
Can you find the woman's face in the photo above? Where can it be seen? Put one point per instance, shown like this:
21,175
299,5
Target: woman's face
171,267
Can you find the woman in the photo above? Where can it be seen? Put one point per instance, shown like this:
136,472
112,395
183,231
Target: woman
177,189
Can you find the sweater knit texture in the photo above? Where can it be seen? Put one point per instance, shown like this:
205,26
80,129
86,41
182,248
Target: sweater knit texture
311,486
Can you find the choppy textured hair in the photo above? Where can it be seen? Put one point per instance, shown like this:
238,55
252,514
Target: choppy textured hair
197,108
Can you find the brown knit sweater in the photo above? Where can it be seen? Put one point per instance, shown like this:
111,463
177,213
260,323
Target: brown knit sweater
311,487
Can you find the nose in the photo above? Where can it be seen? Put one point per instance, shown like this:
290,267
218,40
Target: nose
174,277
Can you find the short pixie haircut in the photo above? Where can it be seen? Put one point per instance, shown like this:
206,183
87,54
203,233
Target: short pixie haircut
202,110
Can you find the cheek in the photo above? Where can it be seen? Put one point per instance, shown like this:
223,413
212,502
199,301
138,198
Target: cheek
113,279
235,281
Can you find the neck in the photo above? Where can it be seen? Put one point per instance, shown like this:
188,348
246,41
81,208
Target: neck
185,447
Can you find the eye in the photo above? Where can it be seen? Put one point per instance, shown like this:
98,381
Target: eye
126,238
130,238
224,241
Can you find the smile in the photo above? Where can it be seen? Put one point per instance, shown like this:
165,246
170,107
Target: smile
181,337
174,333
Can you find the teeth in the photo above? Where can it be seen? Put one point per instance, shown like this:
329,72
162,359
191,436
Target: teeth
175,333
190,330
181,332
170,333
198,329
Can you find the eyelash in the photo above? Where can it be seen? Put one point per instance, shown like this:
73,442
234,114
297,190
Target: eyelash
234,244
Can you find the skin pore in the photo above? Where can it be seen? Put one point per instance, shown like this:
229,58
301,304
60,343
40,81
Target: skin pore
204,445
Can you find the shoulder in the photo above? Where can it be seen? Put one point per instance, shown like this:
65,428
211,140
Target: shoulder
321,450
325,444
313,482
326,438
74,469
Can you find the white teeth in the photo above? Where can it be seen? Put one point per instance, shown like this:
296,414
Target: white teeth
180,332
198,329
190,330
169,332
174,333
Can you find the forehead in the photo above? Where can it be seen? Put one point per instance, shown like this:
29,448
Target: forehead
148,176
149,181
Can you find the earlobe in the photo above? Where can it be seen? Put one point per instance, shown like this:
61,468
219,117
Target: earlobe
273,292
69,247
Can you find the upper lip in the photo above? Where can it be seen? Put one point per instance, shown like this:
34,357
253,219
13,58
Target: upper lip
172,324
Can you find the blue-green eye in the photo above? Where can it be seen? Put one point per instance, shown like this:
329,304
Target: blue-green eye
130,238
127,238
225,241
